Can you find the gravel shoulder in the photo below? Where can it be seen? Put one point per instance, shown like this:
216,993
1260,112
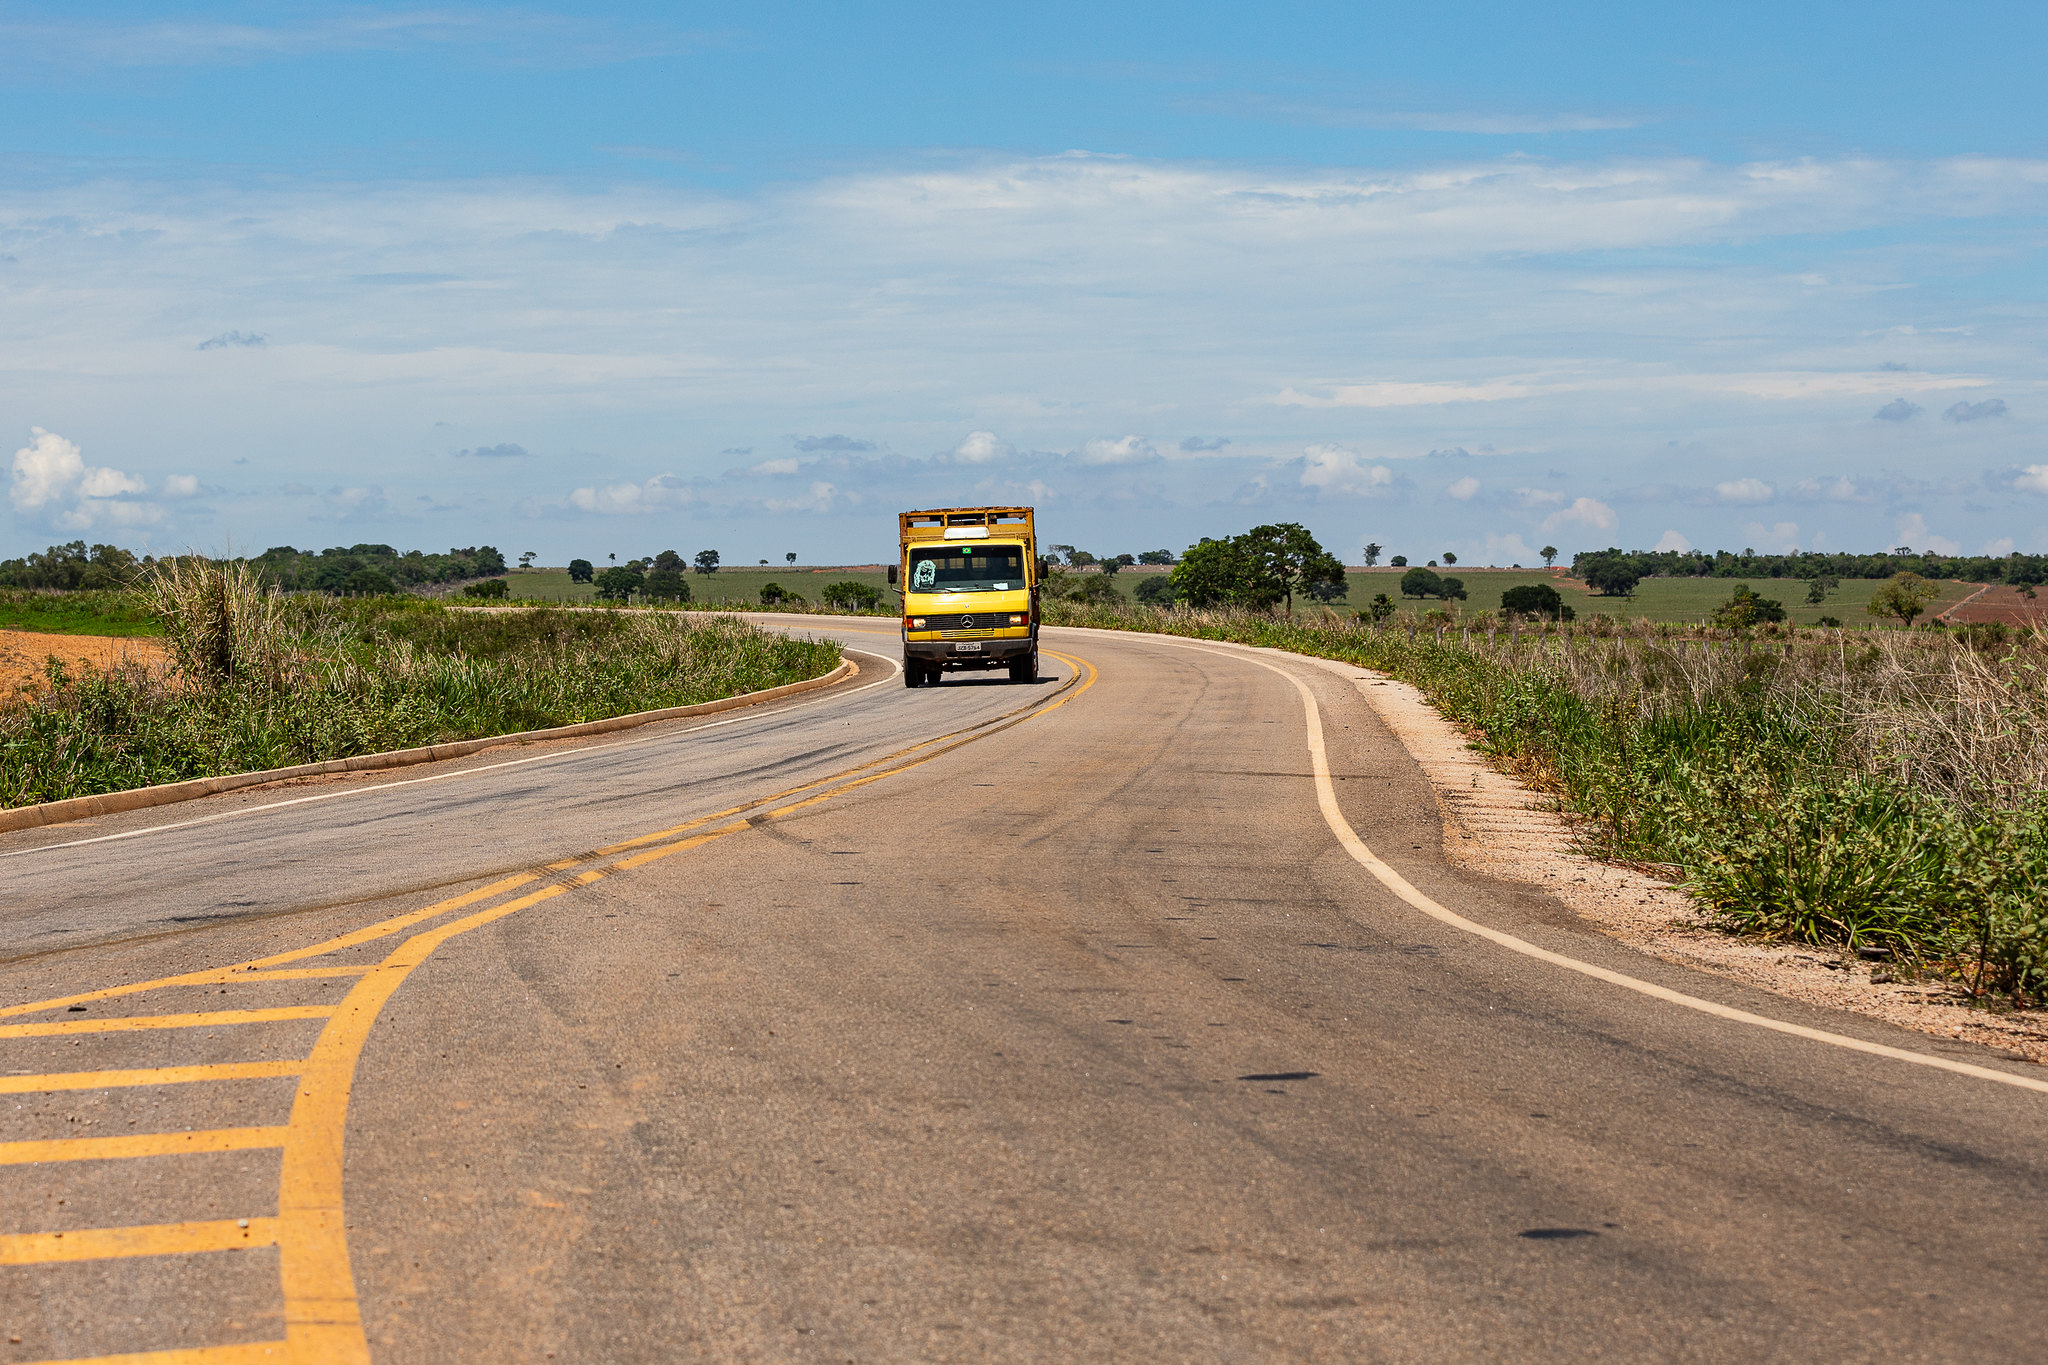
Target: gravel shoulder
1496,826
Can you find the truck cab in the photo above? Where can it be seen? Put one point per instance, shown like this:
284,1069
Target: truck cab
969,579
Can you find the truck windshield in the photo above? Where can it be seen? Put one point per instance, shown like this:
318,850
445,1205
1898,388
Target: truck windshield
967,568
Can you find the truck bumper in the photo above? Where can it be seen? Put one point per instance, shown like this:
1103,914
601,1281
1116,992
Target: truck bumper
991,653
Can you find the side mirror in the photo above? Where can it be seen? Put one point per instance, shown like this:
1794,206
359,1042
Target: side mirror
893,571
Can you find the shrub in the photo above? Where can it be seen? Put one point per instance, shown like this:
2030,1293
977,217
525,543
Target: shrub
1746,608
485,587
1157,590
852,595
1535,600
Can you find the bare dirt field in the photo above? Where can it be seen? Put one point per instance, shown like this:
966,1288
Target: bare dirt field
24,656
2002,605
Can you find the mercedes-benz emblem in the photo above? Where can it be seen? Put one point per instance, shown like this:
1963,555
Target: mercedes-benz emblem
967,623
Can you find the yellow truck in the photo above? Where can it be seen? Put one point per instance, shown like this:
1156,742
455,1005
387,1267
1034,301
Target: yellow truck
969,580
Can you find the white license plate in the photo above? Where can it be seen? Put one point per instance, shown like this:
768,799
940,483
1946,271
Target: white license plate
968,647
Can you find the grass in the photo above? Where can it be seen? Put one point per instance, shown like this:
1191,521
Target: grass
77,613
1875,790
267,682
1676,600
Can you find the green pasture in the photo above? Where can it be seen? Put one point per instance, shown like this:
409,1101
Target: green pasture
76,613
1659,599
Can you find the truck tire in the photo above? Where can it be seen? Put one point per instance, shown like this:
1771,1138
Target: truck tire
1025,669
913,673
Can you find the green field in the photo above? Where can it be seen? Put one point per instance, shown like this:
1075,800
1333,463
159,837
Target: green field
76,613
1659,599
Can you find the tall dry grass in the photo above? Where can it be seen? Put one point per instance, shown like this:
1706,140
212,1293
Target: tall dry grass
1879,790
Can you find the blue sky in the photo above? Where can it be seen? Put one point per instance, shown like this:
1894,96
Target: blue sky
622,278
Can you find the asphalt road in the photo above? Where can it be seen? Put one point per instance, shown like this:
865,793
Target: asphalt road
989,1021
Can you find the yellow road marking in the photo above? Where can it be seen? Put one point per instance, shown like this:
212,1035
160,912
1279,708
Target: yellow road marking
157,1075
366,934
142,1023
246,1353
140,1144
162,1239
322,1321
322,1318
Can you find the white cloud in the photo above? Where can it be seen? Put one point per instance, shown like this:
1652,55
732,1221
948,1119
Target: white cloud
1128,450
1539,497
51,477
1898,410
2033,479
1339,469
1744,490
1509,549
822,497
1590,513
660,493
1913,532
985,447
181,486
1671,540
1778,538
1464,488
1976,412
1997,548
772,468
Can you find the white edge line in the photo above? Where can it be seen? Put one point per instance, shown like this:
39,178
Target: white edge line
1333,815
375,788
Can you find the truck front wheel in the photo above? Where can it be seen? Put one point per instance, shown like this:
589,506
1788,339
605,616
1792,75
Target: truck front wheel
1025,669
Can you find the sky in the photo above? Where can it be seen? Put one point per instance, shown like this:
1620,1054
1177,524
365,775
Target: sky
617,278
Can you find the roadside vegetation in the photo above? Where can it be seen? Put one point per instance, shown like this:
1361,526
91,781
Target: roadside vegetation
1882,791
260,680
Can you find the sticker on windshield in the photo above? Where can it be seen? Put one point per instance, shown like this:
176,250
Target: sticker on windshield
925,575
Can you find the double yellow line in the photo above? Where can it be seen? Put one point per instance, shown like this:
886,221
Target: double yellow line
323,1324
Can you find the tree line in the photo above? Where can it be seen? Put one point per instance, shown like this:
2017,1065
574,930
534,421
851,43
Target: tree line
1629,567
356,570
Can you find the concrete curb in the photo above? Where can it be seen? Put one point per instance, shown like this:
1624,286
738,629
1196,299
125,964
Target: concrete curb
169,793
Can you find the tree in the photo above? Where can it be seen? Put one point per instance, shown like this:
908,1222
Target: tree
1156,557
1216,573
791,558
1372,553
618,585
1549,553
851,595
526,559
484,587
1449,587
1609,573
1118,563
1379,609
668,561
666,585
1399,561
1535,600
368,583
772,594
580,570
1079,559
1450,557
1746,608
1157,590
1290,560
1420,583
1903,595
707,561
1818,588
